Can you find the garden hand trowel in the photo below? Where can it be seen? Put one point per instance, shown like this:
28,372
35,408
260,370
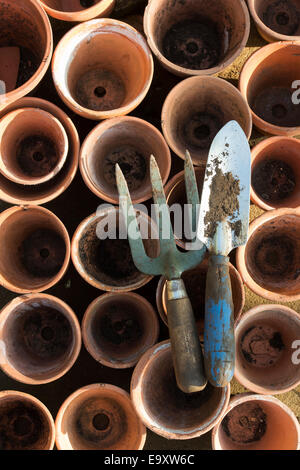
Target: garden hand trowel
222,226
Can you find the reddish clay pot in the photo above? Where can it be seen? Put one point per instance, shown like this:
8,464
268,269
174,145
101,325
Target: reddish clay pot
266,82
33,146
196,37
128,141
176,194
276,21
195,282
269,262
164,408
40,338
276,173
99,417
194,112
78,10
25,422
264,339
102,69
28,28
35,249
262,420
118,328
107,263
40,194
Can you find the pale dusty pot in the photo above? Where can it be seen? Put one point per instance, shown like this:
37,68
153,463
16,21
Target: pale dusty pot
40,338
164,408
78,10
282,430
107,264
99,417
25,422
40,194
35,249
269,262
276,21
228,19
264,339
28,27
266,82
117,328
44,153
102,69
196,109
176,194
128,141
286,150
195,282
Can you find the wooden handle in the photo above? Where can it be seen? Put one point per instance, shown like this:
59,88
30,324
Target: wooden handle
185,343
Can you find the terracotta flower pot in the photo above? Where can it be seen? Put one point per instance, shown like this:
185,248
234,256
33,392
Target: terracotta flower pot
257,422
266,82
102,69
40,194
99,417
25,27
196,37
33,146
264,339
40,337
164,408
118,328
196,109
276,20
130,142
78,10
269,262
107,264
176,194
25,422
195,282
276,173
37,249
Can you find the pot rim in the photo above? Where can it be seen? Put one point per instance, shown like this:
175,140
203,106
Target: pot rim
85,28
182,71
240,256
80,15
96,134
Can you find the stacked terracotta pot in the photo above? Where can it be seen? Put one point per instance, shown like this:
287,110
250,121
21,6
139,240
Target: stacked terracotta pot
103,70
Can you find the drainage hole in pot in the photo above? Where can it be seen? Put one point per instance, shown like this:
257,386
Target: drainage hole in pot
44,253
132,163
279,111
123,330
262,345
275,257
282,18
245,423
202,132
47,333
192,47
101,422
22,426
100,91
273,180
37,155
87,3
200,128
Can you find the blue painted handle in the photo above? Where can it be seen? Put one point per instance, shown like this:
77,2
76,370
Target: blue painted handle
219,345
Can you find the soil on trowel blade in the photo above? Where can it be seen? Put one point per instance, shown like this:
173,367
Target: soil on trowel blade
37,155
273,180
193,44
283,17
132,164
245,423
262,346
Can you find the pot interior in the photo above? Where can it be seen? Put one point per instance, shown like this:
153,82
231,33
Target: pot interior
282,16
70,5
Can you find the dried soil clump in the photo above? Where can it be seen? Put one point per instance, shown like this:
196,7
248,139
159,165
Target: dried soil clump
273,180
262,346
245,423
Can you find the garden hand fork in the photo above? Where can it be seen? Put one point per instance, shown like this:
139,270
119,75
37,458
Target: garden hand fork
185,343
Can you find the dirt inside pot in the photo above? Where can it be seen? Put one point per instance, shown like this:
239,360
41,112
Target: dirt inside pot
100,90
119,325
22,426
37,155
245,423
43,253
194,44
273,180
223,200
199,129
275,105
132,163
275,256
29,64
282,16
262,345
